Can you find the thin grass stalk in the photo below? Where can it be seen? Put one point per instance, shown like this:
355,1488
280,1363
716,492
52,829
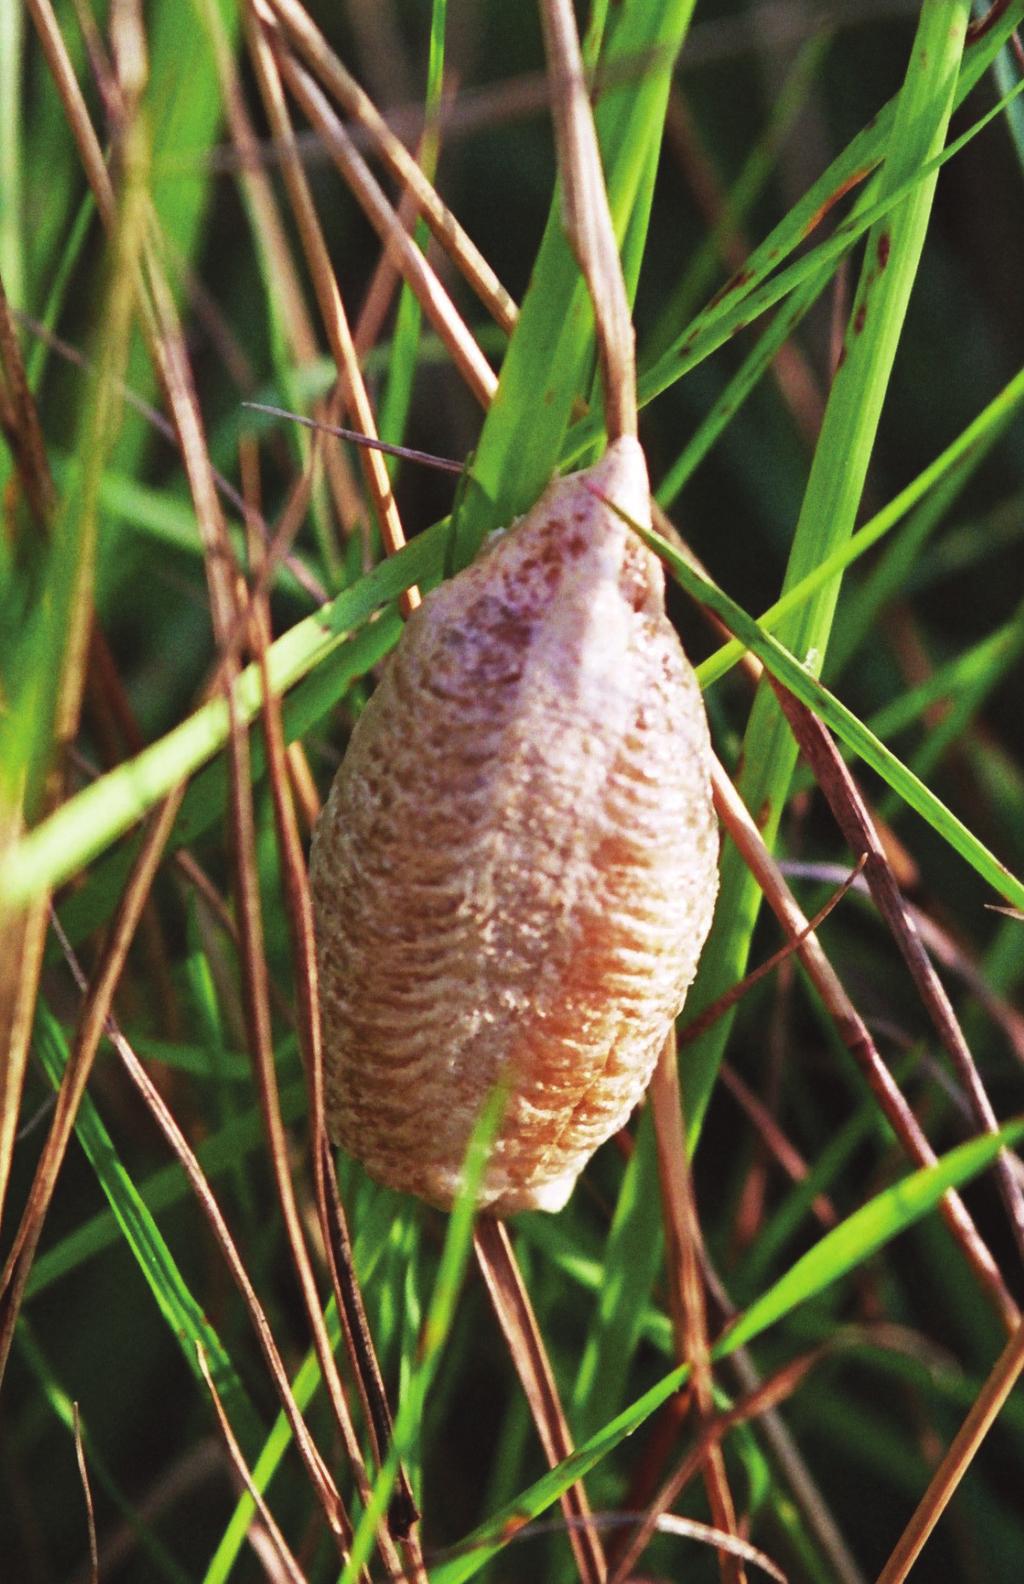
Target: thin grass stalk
91,1026
780,1442
413,265
758,1402
281,1547
321,1481
331,1216
514,1311
957,1460
357,104
587,217
854,820
686,1294
290,319
22,930
58,707
834,487
855,1036
332,309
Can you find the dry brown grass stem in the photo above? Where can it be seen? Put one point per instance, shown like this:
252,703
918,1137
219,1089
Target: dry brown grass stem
775,1141
320,1478
277,551
665,1523
765,1398
854,820
957,1460
90,1513
514,1311
412,264
332,309
716,1009
357,104
783,1448
686,1291
271,239
298,907
75,110
854,1034
22,932
281,1547
91,1026
587,217
256,1005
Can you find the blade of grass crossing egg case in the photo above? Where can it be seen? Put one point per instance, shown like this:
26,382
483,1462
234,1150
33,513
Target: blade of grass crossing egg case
837,1253
547,365
804,685
87,823
97,815
184,1316
831,501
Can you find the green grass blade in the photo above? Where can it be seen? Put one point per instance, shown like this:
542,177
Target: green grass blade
930,484
164,1188
632,1257
804,685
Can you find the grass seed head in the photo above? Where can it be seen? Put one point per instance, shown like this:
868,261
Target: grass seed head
516,868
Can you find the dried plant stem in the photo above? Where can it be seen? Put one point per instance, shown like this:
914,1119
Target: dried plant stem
411,263
357,104
854,820
270,237
331,1215
855,1036
957,1459
280,1544
91,1025
90,1514
332,309
760,1401
587,217
686,1292
710,1015
322,1483
503,1278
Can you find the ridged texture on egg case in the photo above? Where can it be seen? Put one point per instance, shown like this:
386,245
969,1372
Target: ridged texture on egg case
516,868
